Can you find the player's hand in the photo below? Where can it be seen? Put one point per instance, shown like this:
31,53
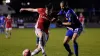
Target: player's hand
53,19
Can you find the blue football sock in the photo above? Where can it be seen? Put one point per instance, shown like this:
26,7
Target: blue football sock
76,48
67,47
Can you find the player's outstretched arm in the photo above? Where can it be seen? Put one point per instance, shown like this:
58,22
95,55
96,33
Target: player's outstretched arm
66,23
28,9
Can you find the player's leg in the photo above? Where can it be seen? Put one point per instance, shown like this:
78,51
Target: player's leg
39,33
36,51
2,29
41,43
77,32
67,38
74,38
37,38
44,40
37,41
10,30
6,32
66,45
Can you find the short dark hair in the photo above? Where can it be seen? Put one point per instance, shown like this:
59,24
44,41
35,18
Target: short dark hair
65,3
49,6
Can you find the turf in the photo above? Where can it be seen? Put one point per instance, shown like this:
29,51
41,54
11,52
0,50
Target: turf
89,42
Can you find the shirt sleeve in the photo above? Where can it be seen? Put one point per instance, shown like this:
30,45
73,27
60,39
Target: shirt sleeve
72,11
69,13
60,12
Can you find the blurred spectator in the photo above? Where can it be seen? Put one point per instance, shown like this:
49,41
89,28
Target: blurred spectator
20,22
81,19
2,23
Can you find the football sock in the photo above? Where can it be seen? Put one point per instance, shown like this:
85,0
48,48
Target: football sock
35,52
6,34
67,47
76,48
41,45
10,34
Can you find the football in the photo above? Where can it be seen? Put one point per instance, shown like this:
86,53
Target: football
26,52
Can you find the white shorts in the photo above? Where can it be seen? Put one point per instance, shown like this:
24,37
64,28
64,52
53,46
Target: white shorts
45,36
8,29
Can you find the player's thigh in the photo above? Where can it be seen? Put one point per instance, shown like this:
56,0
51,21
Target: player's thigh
66,39
38,32
7,29
45,38
75,36
10,29
77,33
68,36
38,37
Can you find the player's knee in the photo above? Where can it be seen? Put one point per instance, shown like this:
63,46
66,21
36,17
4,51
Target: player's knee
65,42
74,41
40,34
66,39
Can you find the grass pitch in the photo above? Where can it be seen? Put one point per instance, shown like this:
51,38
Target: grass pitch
89,42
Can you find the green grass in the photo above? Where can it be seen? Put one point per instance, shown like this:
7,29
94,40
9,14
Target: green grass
89,42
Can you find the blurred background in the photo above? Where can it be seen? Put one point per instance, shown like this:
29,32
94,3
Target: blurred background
88,11
89,8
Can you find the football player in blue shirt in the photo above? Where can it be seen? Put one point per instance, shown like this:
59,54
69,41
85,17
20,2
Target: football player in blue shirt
74,27
2,22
